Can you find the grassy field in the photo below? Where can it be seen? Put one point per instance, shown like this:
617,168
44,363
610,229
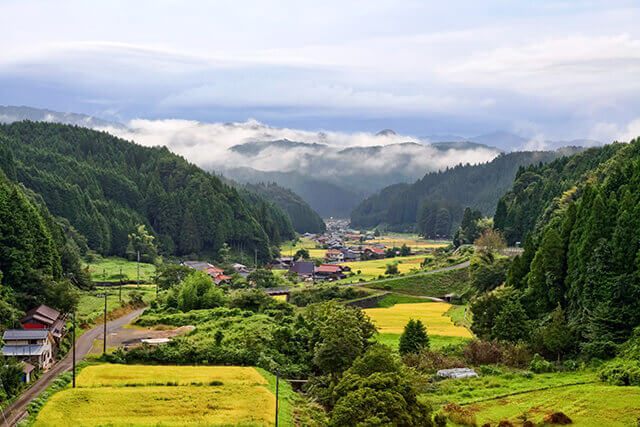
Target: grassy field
413,241
373,268
108,270
91,306
131,395
586,405
393,319
436,284
436,342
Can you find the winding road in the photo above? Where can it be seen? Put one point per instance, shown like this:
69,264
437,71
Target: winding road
18,409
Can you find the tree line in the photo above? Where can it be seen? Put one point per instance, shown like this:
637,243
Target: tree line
106,187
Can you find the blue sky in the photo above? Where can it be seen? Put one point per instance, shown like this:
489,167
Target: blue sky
544,69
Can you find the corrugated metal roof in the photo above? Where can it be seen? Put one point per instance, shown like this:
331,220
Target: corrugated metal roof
26,334
23,350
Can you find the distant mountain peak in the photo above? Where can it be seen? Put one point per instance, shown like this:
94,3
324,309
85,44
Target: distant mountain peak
386,132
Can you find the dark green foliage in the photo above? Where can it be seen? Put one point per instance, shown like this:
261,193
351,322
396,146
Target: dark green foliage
488,272
536,186
621,372
538,365
170,275
392,268
197,291
469,230
140,243
301,254
556,338
37,263
262,278
321,293
511,323
478,186
10,377
105,187
437,218
303,217
414,338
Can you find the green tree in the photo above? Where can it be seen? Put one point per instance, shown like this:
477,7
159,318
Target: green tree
262,278
414,338
392,268
170,275
511,323
141,241
405,250
301,254
546,278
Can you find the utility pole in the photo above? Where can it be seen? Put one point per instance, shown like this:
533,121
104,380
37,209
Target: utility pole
104,346
277,381
138,268
73,325
255,258
120,296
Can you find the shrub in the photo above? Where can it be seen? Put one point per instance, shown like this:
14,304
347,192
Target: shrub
480,352
517,355
459,415
621,372
539,365
431,361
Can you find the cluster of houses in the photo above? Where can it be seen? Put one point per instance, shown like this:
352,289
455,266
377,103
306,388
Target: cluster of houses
37,343
217,274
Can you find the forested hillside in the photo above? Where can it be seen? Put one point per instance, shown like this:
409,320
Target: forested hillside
581,261
303,217
477,186
531,199
38,260
106,186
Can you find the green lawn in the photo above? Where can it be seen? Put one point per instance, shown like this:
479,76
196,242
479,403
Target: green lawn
436,284
108,270
436,342
91,306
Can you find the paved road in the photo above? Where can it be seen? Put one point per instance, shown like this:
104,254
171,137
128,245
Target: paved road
424,273
17,410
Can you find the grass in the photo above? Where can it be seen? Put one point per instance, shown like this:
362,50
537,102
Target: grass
436,284
130,395
91,306
414,242
436,342
586,405
432,314
460,315
389,300
108,270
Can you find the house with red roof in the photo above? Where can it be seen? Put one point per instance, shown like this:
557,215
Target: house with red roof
374,252
331,271
334,255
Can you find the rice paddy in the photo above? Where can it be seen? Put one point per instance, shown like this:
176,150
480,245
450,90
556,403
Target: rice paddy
163,395
392,320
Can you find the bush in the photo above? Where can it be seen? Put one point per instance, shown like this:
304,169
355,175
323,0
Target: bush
459,415
621,372
480,352
517,355
431,361
539,365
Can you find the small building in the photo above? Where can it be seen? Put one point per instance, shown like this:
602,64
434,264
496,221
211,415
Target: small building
197,265
304,269
334,255
350,255
43,317
34,346
241,268
27,369
282,263
331,271
374,252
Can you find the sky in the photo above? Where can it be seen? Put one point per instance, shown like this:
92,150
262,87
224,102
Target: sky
543,69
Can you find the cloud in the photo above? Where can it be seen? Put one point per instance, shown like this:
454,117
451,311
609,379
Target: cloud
334,155
610,131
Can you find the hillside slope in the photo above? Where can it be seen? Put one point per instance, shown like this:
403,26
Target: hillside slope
105,186
478,186
303,217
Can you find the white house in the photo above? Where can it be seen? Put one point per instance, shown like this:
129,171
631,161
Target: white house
33,346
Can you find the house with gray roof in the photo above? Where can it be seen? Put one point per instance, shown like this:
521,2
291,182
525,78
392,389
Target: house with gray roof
34,346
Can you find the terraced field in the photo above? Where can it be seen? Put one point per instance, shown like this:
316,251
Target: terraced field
392,320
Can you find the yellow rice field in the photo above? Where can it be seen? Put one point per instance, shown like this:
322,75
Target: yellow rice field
131,395
158,405
117,375
376,267
393,319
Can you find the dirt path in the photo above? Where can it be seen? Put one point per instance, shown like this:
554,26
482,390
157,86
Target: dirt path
17,410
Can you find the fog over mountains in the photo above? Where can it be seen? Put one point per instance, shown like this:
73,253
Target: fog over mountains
332,171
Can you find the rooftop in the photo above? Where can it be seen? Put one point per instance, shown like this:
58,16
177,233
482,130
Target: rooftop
26,334
23,350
